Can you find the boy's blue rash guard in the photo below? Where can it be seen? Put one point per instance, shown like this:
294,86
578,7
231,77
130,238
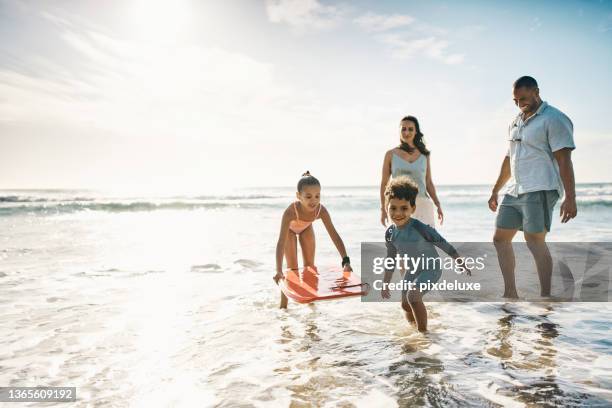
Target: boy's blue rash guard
416,236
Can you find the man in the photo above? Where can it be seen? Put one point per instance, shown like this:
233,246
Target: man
539,167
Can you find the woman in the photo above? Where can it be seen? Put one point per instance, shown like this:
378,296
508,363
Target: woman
411,158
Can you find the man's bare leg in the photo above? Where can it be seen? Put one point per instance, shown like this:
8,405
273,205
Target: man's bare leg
505,256
537,245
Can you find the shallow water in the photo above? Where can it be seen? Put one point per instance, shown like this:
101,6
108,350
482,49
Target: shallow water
176,307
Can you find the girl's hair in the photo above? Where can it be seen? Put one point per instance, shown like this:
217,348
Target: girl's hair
307,180
418,138
402,188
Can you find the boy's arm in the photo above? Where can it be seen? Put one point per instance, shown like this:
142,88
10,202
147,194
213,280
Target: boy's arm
431,235
391,253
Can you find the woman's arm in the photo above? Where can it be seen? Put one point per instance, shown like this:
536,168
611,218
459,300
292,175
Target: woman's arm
431,190
331,230
386,173
280,245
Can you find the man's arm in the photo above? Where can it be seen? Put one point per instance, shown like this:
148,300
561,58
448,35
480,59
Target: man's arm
504,176
566,170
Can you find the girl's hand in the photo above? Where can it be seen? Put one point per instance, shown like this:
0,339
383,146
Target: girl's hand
347,268
440,214
278,277
385,293
383,217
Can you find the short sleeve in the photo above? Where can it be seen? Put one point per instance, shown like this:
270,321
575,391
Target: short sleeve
389,233
560,132
391,251
510,128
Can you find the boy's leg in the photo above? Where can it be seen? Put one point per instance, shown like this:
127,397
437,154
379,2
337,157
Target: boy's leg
418,309
291,259
505,256
307,243
537,245
407,309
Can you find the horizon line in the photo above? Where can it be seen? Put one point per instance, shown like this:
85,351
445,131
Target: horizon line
102,189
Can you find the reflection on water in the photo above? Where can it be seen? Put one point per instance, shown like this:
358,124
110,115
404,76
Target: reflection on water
525,346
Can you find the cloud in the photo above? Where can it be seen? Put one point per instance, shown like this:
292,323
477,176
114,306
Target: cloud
371,22
421,38
432,47
536,24
303,14
469,33
138,89
417,38
151,112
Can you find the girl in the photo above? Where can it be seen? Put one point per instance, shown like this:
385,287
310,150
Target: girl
411,158
297,224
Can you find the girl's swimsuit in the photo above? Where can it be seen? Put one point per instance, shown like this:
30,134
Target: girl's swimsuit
297,225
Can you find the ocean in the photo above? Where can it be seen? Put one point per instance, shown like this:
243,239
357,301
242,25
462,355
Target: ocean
169,301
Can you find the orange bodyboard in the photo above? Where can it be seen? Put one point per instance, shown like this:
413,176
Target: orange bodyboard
309,285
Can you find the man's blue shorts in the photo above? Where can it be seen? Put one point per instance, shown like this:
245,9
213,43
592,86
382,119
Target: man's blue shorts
529,212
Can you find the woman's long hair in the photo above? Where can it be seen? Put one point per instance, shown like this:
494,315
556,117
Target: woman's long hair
418,138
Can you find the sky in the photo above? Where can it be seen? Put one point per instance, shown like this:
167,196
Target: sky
202,96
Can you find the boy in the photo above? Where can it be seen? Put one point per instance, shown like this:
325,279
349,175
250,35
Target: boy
407,235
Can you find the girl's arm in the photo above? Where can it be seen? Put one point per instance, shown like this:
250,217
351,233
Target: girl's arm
431,190
386,173
333,234
280,245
